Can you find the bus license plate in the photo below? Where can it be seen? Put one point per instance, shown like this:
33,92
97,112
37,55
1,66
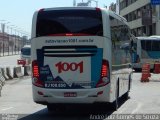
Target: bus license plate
70,94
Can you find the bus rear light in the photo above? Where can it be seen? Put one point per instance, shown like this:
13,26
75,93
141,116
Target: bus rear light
104,78
35,71
70,34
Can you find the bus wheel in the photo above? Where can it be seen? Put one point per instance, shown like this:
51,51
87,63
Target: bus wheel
126,95
56,108
50,108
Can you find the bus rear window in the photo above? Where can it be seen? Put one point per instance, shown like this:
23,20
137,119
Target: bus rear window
150,45
26,51
84,22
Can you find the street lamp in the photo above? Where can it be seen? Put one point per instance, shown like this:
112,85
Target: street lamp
3,32
14,28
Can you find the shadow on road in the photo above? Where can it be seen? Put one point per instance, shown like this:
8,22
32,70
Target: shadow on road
76,112
71,113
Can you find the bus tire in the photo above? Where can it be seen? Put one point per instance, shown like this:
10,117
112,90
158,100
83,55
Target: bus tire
50,108
126,95
56,108
116,102
130,81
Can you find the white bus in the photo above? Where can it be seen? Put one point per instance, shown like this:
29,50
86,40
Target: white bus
79,56
147,50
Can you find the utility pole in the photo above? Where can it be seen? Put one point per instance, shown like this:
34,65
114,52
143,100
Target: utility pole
3,35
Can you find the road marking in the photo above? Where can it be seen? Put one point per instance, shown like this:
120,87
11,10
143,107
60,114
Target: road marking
137,108
7,108
122,109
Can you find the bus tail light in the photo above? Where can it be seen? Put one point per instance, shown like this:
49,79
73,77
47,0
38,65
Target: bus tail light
35,71
104,78
70,34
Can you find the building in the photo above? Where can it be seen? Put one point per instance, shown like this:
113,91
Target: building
143,18
11,42
4,38
112,7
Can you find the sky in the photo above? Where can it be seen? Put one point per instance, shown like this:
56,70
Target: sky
19,13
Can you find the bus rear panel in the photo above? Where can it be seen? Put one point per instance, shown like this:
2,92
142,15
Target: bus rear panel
68,61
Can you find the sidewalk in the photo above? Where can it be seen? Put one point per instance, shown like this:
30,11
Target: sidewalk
10,53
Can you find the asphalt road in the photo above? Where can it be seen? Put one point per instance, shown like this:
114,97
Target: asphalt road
17,101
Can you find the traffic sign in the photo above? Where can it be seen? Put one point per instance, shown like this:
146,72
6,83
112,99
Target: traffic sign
155,2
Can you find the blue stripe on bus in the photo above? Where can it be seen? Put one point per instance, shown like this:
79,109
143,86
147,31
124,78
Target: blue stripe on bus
96,64
154,54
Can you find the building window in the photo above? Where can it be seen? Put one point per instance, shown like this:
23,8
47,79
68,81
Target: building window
144,30
154,11
134,15
139,13
126,3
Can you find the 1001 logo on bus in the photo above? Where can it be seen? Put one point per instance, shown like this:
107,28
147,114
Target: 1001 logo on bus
69,66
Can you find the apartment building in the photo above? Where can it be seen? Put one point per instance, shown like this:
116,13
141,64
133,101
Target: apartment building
143,18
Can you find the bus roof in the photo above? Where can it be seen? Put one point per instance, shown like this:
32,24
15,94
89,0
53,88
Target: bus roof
84,8
26,46
147,38
155,36
68,8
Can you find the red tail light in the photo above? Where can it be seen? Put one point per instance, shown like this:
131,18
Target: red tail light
70,34
35,71
104,78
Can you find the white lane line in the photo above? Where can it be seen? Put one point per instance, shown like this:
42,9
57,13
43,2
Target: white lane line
137,108
7,108
122,110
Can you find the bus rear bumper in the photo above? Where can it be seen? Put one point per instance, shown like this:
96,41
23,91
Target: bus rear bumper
51,96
